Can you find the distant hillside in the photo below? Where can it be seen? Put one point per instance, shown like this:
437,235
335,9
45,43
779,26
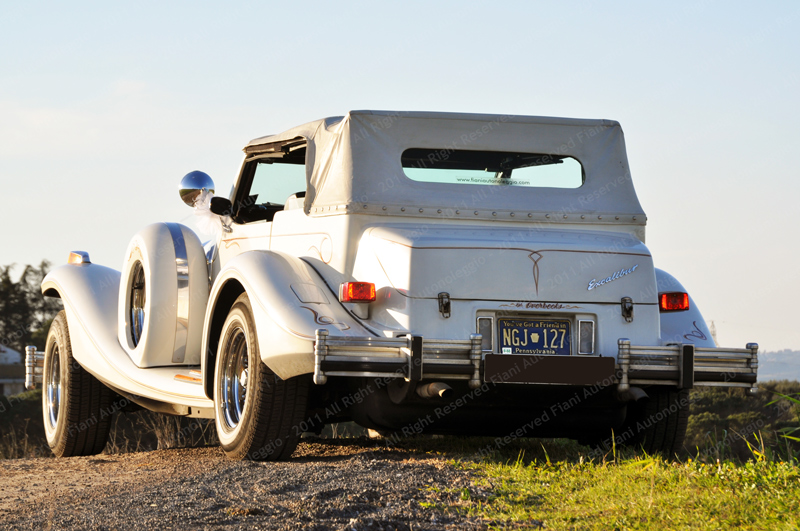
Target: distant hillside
780,365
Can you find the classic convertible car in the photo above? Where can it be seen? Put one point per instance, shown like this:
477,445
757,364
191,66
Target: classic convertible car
412,272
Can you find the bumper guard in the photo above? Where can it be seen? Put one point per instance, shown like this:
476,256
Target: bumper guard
687,366
410,357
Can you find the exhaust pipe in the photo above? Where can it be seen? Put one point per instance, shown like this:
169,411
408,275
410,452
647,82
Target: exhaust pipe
34,367
435,389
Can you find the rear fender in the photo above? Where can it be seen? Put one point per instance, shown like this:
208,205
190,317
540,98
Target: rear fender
686,326
290,302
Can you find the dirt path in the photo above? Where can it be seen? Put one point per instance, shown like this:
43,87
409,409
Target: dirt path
326,485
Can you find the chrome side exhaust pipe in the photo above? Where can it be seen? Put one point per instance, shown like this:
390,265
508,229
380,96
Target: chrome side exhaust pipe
435,390
34,367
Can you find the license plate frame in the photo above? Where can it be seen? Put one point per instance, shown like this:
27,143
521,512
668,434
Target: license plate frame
537,336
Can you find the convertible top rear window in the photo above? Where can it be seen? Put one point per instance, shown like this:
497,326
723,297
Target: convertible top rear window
452,166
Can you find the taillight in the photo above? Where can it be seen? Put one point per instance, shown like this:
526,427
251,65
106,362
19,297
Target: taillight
673,302
357,292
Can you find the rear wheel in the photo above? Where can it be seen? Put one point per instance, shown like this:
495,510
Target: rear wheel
76,406
258,415
658,423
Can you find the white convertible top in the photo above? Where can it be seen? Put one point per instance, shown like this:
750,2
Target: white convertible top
353,163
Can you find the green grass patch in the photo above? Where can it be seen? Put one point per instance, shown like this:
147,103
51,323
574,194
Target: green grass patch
638,493
554,484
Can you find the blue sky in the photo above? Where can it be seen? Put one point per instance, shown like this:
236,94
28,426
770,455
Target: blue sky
105,105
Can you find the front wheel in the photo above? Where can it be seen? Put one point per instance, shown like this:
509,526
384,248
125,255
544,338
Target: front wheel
258,415
77,407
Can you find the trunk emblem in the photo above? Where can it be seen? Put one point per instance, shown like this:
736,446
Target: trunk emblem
594,283
536,256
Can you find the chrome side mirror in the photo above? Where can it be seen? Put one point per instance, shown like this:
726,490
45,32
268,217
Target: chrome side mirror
193,184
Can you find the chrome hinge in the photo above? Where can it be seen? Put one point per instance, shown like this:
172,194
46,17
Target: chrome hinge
627,309
444,304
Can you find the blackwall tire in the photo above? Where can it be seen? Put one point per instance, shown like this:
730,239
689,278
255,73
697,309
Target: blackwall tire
658,423
77,408
258,415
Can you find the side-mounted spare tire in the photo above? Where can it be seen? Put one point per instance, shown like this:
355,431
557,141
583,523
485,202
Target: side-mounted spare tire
163,296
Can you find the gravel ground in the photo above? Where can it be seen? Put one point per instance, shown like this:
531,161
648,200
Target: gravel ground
328,484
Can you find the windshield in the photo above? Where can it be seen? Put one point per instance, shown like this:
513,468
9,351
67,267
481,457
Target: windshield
274,181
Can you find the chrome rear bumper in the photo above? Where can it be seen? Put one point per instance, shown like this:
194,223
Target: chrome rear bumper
407,357
414,358
686,366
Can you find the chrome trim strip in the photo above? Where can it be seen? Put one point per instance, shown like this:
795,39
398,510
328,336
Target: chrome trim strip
182,272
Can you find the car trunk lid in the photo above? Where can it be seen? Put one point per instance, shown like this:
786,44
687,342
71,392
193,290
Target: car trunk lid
507,264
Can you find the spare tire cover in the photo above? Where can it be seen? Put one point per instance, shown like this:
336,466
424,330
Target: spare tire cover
163,296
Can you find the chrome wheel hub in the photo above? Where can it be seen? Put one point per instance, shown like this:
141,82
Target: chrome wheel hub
53,387
137,298
234,378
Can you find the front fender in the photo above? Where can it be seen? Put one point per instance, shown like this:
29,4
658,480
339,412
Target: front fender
90,293
290,302
682,327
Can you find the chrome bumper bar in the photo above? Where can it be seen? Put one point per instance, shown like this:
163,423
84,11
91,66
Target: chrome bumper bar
34,367
410,357
687,366
414,358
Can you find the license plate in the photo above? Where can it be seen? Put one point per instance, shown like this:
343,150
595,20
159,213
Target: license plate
534,336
